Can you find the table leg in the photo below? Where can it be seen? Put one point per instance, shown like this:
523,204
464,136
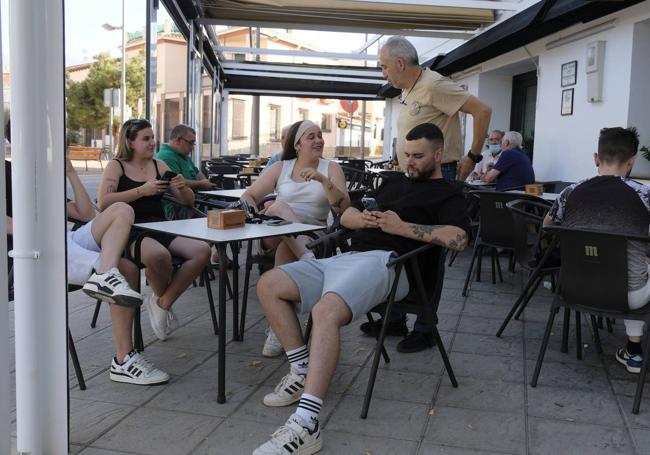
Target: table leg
236,336
223,273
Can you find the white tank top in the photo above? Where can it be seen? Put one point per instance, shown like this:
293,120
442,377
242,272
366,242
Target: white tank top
307,199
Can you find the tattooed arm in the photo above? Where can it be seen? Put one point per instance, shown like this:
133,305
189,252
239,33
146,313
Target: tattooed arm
335,188
451,237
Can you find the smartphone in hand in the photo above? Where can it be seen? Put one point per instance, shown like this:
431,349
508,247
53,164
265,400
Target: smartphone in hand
168,175
370,203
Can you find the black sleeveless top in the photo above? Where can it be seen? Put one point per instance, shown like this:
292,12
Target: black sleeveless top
146,208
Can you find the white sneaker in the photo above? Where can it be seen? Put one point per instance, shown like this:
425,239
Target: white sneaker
172,321
272,346
137,370
292,438
111,287
158,317
288,391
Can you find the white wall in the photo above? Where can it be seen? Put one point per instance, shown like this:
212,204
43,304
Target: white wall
564,145
640,92
496,90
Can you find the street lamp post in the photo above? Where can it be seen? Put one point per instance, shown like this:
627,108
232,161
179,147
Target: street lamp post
111,28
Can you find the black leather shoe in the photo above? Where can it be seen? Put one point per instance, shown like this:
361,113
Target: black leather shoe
415,342
395,328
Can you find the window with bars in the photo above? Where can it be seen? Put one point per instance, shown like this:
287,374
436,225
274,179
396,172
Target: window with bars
303,114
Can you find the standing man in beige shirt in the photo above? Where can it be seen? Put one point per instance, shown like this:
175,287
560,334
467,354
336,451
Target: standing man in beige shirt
429,97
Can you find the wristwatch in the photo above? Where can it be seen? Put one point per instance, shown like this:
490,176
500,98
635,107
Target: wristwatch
475,158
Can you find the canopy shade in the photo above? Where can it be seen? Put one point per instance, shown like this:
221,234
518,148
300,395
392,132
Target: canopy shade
364,14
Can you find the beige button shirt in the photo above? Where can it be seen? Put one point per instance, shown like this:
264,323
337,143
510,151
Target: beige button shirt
433,99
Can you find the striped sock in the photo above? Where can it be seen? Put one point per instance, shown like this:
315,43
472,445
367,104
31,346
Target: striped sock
309,409
299,359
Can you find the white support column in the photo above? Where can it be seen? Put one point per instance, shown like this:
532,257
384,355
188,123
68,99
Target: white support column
388,130
223,123
5,358
37,127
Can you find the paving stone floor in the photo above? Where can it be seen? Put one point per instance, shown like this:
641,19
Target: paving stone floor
579,407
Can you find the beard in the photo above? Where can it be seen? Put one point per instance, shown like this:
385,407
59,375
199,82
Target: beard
425,174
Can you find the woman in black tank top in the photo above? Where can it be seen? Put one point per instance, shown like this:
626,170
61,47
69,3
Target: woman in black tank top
134,177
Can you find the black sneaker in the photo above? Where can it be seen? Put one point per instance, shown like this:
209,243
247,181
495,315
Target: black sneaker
395,328
415,342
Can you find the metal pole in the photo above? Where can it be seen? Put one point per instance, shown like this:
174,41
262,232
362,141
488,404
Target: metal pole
363,111
255,111
188,75
123,83
213,90
350,143
388,130
223,129
5,359
38,187
110,129
151,63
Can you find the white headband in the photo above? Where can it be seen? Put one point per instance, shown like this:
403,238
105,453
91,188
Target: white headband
304,126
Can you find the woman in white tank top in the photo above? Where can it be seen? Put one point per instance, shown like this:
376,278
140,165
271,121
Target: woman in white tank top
307,186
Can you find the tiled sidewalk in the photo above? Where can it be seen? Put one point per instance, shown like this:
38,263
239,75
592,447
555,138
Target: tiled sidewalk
579,407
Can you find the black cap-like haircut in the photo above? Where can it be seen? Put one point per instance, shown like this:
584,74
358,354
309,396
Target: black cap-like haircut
427,131
617,145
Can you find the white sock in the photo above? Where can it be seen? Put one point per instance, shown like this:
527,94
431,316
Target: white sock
299,359
307,255
309,410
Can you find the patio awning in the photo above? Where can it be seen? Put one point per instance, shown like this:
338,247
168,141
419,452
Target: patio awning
356,15
304,80
540,20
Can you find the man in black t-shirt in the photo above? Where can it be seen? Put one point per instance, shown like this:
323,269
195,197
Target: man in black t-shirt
419,208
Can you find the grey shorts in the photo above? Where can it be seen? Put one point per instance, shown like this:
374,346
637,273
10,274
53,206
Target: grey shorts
361,279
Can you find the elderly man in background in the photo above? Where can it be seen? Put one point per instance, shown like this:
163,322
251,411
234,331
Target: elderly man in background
490,156
429,97
513,170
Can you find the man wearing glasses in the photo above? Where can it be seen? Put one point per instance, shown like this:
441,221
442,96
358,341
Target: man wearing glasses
176,154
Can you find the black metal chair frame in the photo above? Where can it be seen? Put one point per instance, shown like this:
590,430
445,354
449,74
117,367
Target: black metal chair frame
495,232
138,342
593,280
416,302
524,214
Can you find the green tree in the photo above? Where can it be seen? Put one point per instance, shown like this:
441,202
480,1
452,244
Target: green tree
85,99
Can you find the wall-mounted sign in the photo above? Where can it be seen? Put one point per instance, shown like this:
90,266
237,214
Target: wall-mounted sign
569,72
343,124
567,102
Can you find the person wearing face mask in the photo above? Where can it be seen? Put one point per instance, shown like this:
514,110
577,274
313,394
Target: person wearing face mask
490,156
513,170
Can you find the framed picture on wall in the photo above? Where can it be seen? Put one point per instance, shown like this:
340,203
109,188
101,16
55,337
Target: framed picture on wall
567,102
569,72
